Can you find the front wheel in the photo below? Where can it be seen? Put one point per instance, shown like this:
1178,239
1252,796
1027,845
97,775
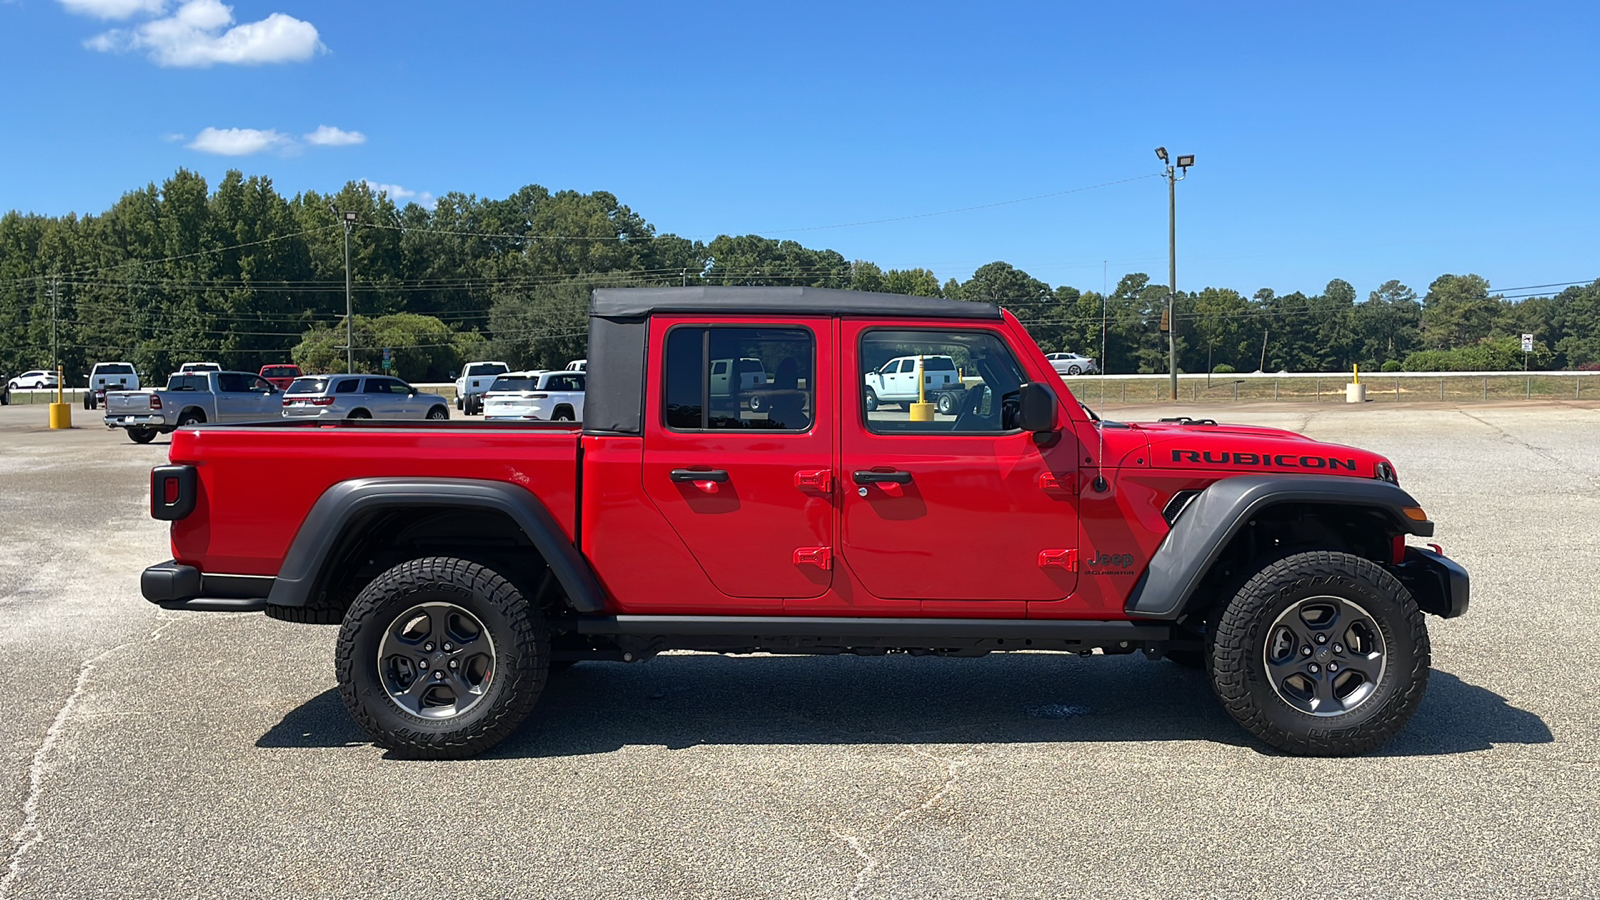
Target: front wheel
438,413
872,400
1321,654
440,658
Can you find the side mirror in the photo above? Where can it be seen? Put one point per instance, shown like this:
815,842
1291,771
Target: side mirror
412,392
1038,408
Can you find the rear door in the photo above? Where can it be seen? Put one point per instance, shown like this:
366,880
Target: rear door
965,511
749,493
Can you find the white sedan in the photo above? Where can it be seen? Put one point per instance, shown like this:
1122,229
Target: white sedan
1072,364
536,396
34,379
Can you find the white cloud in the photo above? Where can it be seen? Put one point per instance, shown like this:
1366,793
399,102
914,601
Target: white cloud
329,136
114,9
193,37
238,141
398,194
173,137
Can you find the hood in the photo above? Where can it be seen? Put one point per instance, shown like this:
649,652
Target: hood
1195,445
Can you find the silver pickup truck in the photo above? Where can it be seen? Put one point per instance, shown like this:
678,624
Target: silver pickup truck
193,399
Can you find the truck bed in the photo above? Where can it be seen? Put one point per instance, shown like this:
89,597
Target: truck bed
258,482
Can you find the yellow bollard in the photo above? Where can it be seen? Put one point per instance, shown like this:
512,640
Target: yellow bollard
60,411
922,412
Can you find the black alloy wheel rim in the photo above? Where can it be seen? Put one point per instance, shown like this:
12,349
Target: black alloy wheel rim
1325,656
436,660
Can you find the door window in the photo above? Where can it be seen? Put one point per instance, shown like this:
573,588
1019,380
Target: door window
698,399
971,383
379,386
234,382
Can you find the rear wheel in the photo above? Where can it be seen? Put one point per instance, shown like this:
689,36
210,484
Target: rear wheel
947,404
1074,370
1321,654
359,414
440,658
191,418
141,435
564,414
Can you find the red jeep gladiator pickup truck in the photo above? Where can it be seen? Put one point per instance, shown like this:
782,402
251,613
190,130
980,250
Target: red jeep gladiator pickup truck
464,561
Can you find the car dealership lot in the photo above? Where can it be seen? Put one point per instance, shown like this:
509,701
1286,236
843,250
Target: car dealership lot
150,753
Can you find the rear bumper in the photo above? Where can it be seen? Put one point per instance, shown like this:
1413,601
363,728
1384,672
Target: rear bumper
1439,584
171,585
135,420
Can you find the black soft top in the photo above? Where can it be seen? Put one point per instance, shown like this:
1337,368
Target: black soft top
628,303
619,326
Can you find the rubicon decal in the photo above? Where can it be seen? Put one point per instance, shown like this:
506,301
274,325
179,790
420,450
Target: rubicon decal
1281,460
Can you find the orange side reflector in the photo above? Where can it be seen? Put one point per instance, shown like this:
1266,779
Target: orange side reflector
1416,513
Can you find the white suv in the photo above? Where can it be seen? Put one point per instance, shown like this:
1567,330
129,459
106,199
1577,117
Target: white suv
535,397
474,381
34,379
1072,364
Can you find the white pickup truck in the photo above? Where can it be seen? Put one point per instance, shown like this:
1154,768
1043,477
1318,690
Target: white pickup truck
193,399
896,381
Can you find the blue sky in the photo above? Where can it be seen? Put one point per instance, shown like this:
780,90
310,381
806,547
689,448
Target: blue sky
1364,141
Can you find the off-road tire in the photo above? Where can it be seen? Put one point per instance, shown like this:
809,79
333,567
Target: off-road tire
141,435
521,658
1239,649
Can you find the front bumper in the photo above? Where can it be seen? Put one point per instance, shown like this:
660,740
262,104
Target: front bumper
1439,584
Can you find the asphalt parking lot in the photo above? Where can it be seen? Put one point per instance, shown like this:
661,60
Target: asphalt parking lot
157,754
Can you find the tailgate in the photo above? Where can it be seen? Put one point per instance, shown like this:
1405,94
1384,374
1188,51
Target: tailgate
129,402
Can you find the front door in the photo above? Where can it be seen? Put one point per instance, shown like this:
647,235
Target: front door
961,509
749,491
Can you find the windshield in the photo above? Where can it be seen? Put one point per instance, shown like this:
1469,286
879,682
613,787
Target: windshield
485,369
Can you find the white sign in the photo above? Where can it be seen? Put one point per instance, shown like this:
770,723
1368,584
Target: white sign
1527,343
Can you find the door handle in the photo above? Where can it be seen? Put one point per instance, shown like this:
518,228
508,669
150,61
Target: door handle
689,476
868,477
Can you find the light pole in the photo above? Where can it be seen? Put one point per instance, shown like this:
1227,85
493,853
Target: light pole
349,304
1174,174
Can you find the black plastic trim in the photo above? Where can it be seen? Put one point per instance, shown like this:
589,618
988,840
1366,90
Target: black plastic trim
1212,519
1095,631
298,580
168,581
1439,584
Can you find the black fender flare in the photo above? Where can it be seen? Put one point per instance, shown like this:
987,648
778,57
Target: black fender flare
1217,514
348,501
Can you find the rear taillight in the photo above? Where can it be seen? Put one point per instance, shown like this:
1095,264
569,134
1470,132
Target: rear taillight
287,402
321,401
538,396
155,402
173,490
